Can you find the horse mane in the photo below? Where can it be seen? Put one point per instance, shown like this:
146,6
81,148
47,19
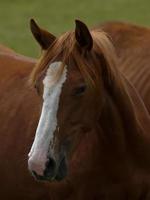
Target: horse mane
88,62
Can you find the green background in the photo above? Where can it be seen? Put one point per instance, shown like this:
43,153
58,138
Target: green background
58,16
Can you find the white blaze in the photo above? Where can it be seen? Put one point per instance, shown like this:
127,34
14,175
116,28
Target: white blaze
48,119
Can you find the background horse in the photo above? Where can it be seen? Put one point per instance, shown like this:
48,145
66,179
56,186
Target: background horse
132,45
99,166
18,120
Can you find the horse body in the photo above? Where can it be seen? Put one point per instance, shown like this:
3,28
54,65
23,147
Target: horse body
18,122
109,156
132,45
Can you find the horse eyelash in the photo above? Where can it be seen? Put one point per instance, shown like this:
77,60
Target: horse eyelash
37,88
79,91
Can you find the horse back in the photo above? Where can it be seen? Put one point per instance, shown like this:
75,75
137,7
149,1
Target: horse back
19,113
5,49
132,45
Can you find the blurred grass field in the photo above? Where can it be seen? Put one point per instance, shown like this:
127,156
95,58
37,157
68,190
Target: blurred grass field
58,16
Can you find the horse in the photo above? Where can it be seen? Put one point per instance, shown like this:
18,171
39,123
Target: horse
101,144
18,120
132,44
93,132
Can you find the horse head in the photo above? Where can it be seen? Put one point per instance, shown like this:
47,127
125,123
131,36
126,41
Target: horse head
71,77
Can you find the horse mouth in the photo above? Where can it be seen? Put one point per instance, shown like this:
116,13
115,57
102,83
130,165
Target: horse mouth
62,170
53,172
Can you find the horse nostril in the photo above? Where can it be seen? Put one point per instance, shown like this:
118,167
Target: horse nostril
38,177
50,168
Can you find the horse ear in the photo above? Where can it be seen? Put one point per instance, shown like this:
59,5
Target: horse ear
83,35
43,37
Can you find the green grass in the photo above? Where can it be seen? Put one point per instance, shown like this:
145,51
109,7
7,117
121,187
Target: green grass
58,16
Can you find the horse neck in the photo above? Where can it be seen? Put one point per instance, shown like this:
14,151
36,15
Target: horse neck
124,121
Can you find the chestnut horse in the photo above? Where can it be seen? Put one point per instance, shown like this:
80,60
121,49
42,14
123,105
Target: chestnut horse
132,45
93,131
92,136
18,120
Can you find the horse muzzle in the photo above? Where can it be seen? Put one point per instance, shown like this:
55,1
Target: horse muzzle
49,170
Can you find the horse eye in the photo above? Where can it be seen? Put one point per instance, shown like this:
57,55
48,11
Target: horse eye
80,90
37,90
37,87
